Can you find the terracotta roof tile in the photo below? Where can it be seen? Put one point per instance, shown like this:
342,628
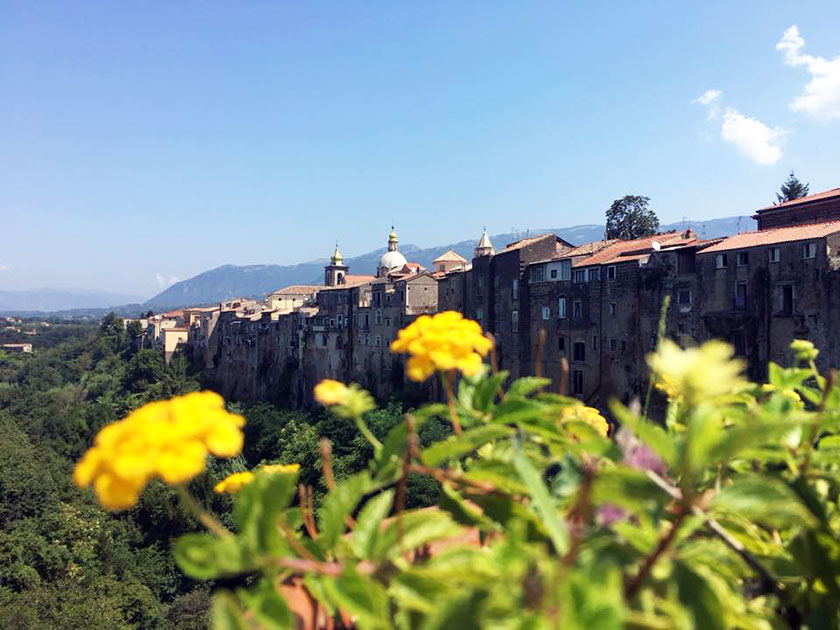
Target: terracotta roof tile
450,256
295,289
623,251
350,281
826,194
528,241
773,236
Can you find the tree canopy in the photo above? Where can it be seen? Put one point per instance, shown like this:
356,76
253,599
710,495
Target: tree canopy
791,189
630,217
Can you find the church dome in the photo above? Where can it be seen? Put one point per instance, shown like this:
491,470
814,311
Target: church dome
392,259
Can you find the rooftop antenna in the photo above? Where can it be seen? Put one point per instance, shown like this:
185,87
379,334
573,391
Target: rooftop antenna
655,245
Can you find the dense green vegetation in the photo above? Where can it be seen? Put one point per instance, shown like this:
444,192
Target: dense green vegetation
65,562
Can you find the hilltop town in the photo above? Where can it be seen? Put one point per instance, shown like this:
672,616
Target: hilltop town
584,316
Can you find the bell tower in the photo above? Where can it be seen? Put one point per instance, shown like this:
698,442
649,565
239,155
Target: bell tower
335,272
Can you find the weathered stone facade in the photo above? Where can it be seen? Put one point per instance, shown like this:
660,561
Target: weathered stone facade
583,316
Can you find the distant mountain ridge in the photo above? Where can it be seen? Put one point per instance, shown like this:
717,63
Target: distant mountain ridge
50,300
255,281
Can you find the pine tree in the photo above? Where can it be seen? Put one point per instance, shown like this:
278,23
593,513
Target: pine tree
791,189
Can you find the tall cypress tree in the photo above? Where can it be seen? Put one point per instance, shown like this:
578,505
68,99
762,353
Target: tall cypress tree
791,189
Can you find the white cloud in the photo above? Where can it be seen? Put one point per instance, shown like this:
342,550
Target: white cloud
5,268
165,281
711,99
751,137
821,95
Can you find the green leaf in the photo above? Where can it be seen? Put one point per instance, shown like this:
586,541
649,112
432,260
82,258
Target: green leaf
517,410
360,596
542,502
338,504
454,504
486,390
267,605
418,527
627,488
367,525
527,385
699,597
258,507
456,446
460,612
786,378
764,500
225,613
205,556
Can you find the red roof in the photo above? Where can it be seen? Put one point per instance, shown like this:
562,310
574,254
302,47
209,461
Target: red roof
826,194
622,251
350,281
529,241
176,313
773,236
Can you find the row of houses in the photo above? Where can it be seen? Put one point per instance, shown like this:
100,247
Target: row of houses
583,315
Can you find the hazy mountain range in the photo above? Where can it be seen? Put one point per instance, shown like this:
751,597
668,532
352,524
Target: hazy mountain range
257,280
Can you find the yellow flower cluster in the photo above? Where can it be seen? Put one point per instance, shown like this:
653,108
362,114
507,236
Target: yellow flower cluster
790,394
589,415
329,392
445,341
235,481
696,374
169,439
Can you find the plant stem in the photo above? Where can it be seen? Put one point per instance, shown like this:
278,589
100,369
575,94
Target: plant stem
447,379
203,516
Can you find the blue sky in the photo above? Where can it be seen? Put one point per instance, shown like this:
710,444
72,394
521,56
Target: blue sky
144,142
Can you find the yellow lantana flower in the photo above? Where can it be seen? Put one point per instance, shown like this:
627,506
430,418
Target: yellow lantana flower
696,374
445,341
273,469
790,394
329,392
233,482
168,439
589,415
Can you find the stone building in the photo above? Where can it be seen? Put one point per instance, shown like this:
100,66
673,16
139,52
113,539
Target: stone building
585,316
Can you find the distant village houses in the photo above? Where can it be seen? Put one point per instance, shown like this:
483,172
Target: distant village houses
585,315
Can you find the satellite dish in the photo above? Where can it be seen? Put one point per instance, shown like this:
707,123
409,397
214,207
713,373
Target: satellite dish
656,246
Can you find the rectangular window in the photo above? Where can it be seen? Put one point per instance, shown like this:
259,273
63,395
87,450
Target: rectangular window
553,274
580,276
594,274
684,297
577,309
378,340
497,283
612,309
809,250
786,298
720,261
339,320
594,342
515,287
741,295
565,269
579,351
743,259
514,321
561,308
775,254
561,345
378,318
613,345
546,312
577,382
538,273
739,342
611,272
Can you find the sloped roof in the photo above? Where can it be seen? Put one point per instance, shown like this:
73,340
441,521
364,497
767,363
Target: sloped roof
297,289
350,281
826,194
450,256
530,241
622,251
773,236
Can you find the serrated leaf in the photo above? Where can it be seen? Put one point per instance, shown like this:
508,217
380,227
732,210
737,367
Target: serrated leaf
527,385
267,605
413,529
257,508
337,505
456,446
367,525
627,488
485,391
542,502
360,596
225,613
517,410
699,597
763,500
454,504
205,556
460,612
